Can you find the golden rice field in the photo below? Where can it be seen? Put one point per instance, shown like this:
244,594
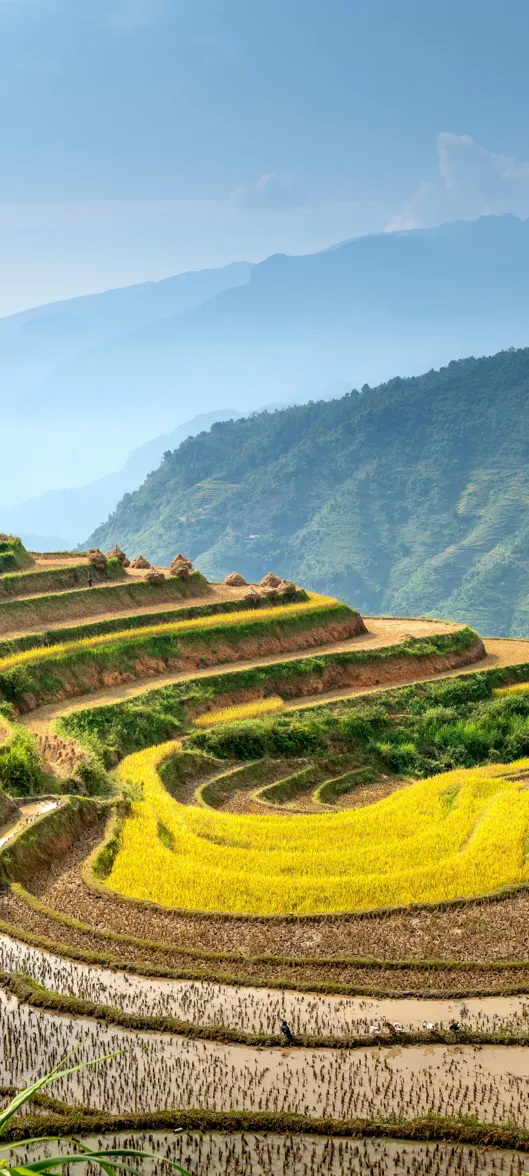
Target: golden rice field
517,688
460,834
246,710
227,620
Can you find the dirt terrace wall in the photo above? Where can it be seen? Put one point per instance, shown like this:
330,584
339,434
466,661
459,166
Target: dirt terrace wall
8,808
340,674
18,616
50,836
87,675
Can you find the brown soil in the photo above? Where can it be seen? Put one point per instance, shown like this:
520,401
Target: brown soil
82,679
473,933
81,607
381,632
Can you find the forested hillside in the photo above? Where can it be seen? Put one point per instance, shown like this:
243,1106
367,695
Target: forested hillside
408,498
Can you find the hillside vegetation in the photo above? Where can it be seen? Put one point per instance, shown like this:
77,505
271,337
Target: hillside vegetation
409,498
13,554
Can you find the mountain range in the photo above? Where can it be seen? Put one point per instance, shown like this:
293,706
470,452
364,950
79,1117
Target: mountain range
85,381
58,519
407,498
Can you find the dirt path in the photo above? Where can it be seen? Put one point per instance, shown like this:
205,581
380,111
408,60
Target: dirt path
382,632
217,593
501,651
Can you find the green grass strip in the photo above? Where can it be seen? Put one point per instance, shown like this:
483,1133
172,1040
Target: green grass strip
27,991
50,606
116,624
29,583
45,677
85,1121
156,715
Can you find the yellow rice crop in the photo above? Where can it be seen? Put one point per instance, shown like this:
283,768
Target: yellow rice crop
460,834
246,710
518,688
246,617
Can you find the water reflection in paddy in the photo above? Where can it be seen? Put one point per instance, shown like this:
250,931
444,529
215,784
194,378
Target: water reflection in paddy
256,1010
165,1071
305,1155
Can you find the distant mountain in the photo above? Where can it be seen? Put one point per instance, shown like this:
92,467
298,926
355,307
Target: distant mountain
41,338
36,343
74,512
408,498
285,329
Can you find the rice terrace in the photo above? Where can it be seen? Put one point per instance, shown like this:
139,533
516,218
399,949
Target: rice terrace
273,854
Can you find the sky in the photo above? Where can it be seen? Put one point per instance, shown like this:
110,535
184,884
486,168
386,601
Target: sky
140,138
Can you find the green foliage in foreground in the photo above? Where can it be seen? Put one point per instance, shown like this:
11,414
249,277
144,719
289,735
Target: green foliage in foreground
109,1160
21,772
416,730
120,728
13,554
21,768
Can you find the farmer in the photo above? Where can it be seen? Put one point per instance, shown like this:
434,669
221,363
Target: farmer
287,1032
90,577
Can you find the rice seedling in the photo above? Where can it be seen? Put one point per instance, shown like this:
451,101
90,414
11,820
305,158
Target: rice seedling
245,710
459,834
258,1010
157,1071
110,1159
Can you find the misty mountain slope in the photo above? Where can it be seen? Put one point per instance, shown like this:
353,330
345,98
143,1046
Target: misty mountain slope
72,513
412,497
60,329
359,312
76,430
372,305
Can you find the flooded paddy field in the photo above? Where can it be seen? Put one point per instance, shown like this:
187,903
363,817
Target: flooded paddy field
256,1010
166,1072
304,1155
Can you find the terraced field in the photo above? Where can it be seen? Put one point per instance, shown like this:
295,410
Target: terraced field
232,811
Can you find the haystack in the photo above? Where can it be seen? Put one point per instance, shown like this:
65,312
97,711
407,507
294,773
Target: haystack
117,553
287,588
97,559
252,598
154,576
180,568
140,562
270,581
235,580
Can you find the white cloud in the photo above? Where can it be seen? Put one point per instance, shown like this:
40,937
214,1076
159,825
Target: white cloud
273,191
472,182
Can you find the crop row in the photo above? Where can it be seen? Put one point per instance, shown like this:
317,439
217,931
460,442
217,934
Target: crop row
174,628
43,673
59,579
10,645
473,824
19,614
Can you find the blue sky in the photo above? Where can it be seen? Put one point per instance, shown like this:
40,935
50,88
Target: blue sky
143,137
